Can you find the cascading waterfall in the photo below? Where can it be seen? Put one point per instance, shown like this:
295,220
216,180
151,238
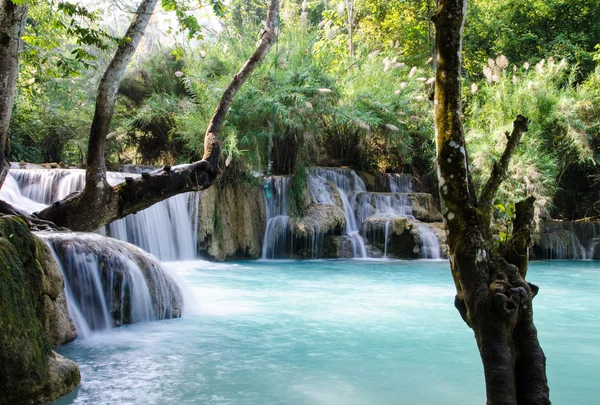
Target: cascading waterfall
168,229
400,183
348,185
391,205
429,243
110,283
382,204
278,236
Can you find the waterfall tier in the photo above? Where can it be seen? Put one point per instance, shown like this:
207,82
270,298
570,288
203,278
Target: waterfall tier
168,230
563,240
110,283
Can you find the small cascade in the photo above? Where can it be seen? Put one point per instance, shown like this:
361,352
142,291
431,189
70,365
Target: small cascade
400,183
386,238
49,185
168,230
378,207
562,245
388,204
348,185
11,193
110,283
568,240
429,244
278,236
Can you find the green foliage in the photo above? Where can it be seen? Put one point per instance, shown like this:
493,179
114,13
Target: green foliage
526,31
559,136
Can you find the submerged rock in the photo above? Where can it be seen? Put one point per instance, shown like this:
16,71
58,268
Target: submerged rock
111,283
30,372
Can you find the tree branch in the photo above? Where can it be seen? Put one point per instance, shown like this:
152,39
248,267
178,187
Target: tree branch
212,145
129,197
516,249
106,97
500,170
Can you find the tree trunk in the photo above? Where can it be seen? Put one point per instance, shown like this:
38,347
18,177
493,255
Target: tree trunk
212,145
492,295
100,203
12,27
105,100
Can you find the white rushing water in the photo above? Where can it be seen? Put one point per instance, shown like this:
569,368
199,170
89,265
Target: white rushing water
110,283
348,185
168,229
277,239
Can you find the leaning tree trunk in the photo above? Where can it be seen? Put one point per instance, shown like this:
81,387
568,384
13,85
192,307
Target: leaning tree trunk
12,26
492,295
212,145
100,203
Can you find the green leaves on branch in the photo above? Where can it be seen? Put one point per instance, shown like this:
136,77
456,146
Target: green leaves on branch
187,21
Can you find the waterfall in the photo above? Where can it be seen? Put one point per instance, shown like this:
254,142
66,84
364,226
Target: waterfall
168,229
348,185
400,183
11,193
110,283
429,243
395,204
568,240
278,236
383,204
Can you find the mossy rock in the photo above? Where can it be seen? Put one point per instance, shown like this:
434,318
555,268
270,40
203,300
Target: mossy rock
30,372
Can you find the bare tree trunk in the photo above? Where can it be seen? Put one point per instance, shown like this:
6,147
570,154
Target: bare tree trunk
12,27
492,295
106,97
100,203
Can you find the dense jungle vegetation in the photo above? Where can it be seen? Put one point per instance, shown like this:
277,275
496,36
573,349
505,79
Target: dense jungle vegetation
348,83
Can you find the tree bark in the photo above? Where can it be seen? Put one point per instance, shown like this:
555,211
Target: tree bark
492,295
12,27
105,100
99,203
129,197
212,145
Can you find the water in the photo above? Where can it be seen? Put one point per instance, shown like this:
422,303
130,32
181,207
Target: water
110,283
347,184
429,243
333,332
168,230
277,239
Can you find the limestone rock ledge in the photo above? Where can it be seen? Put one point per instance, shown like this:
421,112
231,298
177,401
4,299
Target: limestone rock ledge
232,222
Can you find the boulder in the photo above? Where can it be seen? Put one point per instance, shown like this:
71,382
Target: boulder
320,219
30,372
58,326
